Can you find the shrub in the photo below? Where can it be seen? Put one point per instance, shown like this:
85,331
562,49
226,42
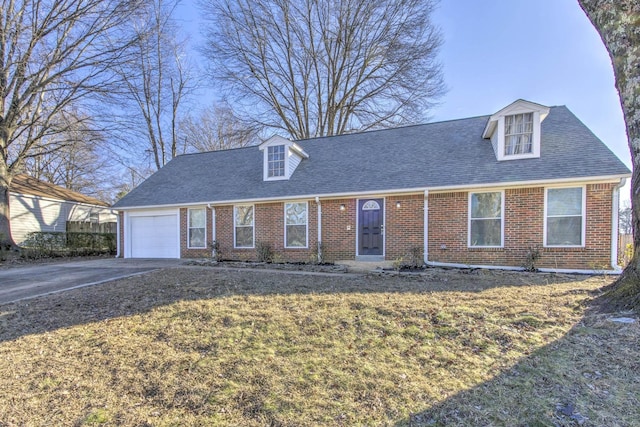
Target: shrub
318,254
414,259
51,244
531,259
264,250
216,253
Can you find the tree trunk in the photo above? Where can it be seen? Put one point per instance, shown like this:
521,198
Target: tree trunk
6,241
617,22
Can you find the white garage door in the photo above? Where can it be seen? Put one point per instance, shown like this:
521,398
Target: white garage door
154,236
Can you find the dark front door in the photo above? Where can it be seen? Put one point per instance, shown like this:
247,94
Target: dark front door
371,220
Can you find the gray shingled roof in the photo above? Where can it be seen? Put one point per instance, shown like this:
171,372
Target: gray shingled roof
451,153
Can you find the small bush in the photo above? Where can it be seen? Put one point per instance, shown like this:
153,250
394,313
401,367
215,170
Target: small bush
531,259
318,254
414,259
216,253
264,250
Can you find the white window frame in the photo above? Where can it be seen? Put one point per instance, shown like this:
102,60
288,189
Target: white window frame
469,219
584,216
284,161
535,137
521,133
253,226
265,166
306,245
189,228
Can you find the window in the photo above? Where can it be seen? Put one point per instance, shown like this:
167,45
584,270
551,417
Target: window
275,161
295,225
243,224
197,229
564,217
485,219
518,134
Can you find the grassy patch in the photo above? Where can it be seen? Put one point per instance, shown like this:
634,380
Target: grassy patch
193,346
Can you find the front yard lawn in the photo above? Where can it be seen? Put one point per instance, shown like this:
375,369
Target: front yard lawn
201,346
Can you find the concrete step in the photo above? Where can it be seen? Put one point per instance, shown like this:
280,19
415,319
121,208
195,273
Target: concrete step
365,266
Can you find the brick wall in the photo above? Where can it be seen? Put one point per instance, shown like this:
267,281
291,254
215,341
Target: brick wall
403,226
448,230
523,229
185,252
339,229
268,228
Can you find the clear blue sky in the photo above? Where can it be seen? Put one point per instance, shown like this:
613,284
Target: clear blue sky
545,51
495,52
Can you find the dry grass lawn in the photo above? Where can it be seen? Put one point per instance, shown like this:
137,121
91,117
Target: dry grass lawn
199,346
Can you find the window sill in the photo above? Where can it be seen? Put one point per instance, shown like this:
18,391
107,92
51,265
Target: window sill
564,248
486,248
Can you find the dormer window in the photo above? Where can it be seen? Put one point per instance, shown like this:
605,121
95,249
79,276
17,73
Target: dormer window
275,160
515,131
518,134
281,158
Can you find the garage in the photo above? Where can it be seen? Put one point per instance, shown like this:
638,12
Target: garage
154,236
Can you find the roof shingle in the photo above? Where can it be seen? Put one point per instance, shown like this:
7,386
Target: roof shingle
450,153
25,184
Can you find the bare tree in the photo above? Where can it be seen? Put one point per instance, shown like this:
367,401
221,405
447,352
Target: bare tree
156,83
52,54
624,224
79,164
617,23
130,179
325,67
217,128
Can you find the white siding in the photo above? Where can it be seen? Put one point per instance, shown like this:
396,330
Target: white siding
30,213
81,213
294,161
494,142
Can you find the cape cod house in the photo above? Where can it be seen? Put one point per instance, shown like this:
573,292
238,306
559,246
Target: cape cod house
481,191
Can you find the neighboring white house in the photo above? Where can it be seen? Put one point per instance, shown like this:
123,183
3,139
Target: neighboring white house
40,206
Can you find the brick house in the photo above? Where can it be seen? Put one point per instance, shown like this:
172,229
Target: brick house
481,191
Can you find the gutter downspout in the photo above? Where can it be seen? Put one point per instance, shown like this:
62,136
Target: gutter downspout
426,227
319,229
615,217
213,230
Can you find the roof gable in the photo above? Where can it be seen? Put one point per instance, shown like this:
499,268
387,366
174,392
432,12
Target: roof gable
517,107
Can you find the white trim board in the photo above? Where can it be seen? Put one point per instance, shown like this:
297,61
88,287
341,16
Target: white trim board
394,192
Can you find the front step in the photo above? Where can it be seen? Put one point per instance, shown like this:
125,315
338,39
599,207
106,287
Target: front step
370,258
359,265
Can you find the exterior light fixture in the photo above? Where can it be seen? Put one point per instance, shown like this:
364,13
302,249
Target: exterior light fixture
342,207
398,204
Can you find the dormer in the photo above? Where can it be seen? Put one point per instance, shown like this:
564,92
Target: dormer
281,158
515,130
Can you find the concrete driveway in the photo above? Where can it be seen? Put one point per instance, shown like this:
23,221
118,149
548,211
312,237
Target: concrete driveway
30,281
